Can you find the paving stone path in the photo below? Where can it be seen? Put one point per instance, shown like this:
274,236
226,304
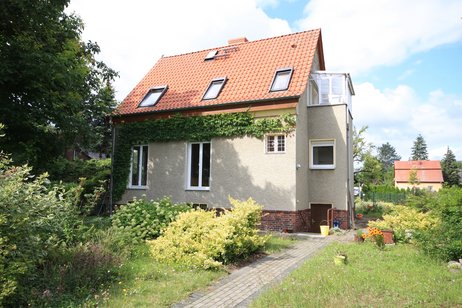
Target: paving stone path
244,285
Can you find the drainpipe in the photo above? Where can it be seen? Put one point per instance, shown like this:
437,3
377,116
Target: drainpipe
111,185
350,199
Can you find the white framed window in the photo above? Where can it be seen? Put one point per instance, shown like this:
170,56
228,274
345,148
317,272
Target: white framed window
281,79
322,154
139,167
314,93
275,144
153,96
199,165
214,88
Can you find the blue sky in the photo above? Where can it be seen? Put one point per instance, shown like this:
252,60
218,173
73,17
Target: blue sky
405,57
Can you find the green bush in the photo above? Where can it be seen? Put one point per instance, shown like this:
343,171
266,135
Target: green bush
444,241
141,220
405,222
91,176
201,239
35,219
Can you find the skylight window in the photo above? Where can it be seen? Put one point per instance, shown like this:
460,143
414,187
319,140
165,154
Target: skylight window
153,96
211,55
281,80
214,88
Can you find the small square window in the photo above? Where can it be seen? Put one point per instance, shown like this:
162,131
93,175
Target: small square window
153,96
281,80
322,154
214,88
275,144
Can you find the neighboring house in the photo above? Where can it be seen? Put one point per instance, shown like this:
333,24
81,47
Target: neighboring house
296,176
422,174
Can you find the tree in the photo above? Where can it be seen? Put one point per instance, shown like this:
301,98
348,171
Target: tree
419,150
372,172
53,92
413,178
387,156
360,145
450,169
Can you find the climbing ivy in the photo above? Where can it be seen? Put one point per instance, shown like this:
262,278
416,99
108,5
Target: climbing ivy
187,128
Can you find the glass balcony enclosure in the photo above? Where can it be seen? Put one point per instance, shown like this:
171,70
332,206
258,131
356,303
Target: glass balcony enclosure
328,88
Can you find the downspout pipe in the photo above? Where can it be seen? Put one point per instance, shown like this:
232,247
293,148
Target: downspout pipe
111,184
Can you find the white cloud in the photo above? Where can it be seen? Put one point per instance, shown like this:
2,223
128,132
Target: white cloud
362,34
398,116
133,35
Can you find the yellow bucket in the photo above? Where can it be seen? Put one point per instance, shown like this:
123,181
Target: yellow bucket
324,230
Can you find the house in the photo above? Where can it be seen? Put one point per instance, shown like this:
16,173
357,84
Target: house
423,174
260,119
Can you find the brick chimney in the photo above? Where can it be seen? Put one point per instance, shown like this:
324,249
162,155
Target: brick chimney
238,40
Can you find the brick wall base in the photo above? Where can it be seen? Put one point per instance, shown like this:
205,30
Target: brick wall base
295,221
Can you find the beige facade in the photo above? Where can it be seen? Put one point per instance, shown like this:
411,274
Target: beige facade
240,168
425,186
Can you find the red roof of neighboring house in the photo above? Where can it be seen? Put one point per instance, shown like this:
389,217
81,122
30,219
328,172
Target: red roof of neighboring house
428,171
248,66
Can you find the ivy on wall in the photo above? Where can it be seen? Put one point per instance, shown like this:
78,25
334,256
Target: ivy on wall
184,128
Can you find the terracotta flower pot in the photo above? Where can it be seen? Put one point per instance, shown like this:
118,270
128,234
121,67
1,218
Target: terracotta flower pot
388,236
359,216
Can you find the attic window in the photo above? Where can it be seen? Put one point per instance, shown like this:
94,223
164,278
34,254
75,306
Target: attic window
153,96
211,55
214,88
281,79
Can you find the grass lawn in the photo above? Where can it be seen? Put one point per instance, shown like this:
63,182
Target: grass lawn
398,276
147,283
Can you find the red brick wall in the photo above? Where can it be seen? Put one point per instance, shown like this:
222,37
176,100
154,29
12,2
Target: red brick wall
295,221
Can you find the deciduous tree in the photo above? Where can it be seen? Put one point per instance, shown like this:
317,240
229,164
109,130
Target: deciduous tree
53,92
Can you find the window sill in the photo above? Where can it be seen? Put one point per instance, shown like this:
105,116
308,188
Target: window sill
197,188
322,167
138,187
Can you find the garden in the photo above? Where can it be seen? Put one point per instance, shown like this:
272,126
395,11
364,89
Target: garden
56,251
422,266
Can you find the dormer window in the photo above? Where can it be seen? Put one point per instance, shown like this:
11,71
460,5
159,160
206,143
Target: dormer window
281,80
153,96
211,55
214,88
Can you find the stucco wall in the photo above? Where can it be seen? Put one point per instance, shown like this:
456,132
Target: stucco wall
239,168
329,186
424,186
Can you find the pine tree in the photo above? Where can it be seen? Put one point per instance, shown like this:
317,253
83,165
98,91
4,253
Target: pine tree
387,156
419,150
450,169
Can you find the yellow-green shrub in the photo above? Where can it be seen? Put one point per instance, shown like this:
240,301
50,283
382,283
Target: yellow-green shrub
404,221
201,239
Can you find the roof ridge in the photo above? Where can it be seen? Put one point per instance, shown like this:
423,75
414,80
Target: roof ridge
249,42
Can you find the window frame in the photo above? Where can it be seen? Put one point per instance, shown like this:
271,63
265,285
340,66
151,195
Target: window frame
318,143
142,148
276,74
200,167
276,144
222,80
162,90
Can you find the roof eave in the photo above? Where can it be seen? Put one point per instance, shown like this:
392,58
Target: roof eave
218,106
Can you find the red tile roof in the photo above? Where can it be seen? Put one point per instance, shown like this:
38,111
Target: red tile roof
428,171
248,66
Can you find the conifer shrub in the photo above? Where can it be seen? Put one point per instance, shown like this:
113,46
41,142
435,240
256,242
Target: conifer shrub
202,239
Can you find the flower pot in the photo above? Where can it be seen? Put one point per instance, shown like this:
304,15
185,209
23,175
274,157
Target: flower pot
359,216
340,260
388,237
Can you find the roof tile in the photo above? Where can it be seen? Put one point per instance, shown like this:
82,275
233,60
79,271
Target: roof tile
249,68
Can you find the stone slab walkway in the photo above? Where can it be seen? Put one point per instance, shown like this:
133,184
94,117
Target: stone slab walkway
242,286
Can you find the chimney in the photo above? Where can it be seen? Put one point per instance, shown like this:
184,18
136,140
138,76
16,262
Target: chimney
238,40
